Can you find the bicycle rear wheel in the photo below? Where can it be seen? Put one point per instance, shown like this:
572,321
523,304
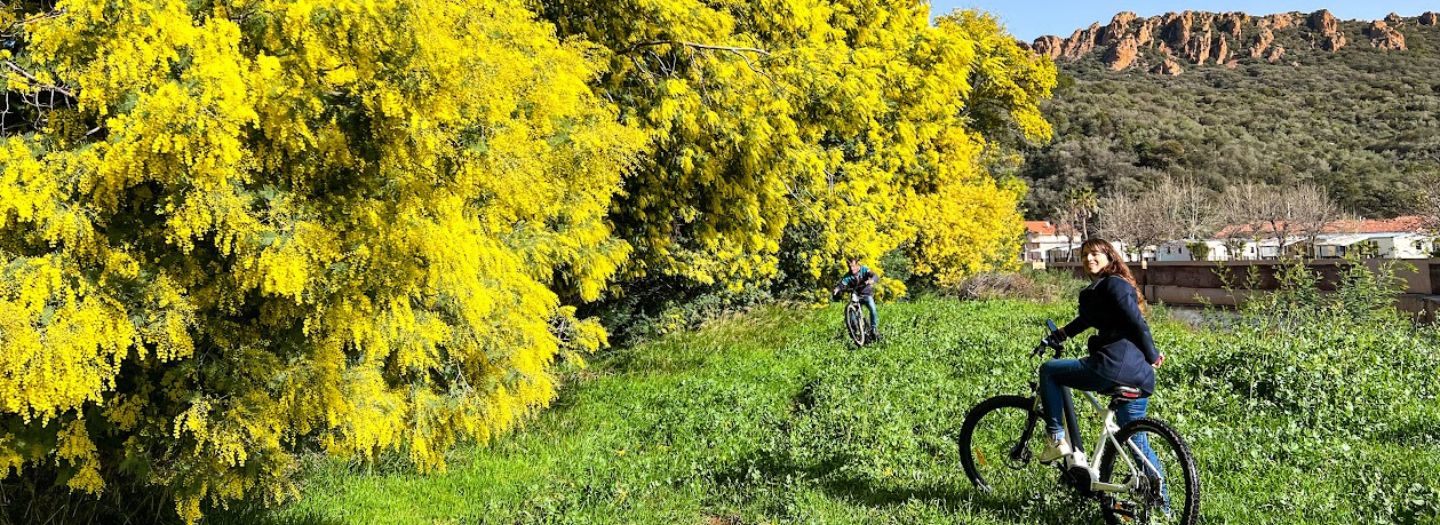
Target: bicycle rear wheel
999,442
1169,496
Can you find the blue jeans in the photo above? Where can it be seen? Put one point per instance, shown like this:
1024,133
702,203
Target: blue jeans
1058,374
869,302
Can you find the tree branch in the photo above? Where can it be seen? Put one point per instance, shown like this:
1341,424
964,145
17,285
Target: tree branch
732,49
16,68
52,14
741,52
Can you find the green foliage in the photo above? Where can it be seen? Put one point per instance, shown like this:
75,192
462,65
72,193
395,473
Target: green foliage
1359,122
1330,373
659,306
1199,251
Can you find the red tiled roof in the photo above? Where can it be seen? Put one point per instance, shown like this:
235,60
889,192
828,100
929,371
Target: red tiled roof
1046,228
1404,224
1039,227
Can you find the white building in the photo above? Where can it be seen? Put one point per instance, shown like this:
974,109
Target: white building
1179,250
1046,242
1398,238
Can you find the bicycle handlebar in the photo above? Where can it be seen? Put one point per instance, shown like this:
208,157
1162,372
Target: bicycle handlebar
1049,341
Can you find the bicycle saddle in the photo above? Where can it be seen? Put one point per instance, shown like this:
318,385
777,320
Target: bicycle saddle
1123,393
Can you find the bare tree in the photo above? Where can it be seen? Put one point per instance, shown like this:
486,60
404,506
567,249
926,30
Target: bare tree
1075,216
1066,224
1312,211
1136,222
1187,209
1429,206
1245,207
1268,212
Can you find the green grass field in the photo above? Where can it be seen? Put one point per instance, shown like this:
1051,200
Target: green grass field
770,417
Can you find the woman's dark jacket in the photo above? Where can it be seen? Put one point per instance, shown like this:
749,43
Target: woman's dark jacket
1122,351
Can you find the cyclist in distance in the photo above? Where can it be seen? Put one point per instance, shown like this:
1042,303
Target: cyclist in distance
862,281
1120,354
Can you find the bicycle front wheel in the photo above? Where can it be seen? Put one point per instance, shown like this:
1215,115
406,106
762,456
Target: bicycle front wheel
855,324
998,446
1157,466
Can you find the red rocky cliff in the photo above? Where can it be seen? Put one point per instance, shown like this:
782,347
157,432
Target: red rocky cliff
1164,44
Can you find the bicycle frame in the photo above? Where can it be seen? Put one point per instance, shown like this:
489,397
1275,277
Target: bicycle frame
1135,486
1106,416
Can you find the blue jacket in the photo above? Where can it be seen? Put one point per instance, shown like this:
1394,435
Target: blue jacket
859,282
1122,350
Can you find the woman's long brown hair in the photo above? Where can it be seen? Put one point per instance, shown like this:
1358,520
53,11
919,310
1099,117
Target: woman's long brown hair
1116,267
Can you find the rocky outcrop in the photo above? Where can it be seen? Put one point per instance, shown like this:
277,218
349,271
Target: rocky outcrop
1222,50
1382,36
1123,54
1049,46
1233,24
1080,43
1330,39
1430,18
1146,33
1262,43
1279,22
1117,30
1197,49
1323,21
1168,67
1164,44
1275,54
1176,28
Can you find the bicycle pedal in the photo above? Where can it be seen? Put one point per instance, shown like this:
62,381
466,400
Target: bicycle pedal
1123,508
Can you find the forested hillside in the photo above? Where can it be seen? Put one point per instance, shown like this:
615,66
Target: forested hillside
1281,99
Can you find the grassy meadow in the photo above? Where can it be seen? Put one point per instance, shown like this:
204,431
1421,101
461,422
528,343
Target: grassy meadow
769,417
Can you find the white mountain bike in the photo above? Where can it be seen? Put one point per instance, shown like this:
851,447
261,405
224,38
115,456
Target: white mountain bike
999,443
857,323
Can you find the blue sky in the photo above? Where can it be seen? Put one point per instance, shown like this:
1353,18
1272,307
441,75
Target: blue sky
1028,19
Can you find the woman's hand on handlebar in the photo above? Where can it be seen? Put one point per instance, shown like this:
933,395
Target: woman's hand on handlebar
1056,339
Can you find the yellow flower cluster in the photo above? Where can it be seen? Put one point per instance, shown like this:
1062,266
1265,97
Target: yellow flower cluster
343,224
787,134
242,230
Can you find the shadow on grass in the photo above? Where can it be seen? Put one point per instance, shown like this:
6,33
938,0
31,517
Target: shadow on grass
254,515
1057,507
767,469
1414,432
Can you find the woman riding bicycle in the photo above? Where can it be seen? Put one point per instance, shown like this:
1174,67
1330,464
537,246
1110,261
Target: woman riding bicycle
1120,354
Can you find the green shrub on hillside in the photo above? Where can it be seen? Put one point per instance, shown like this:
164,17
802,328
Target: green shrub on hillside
1360,122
